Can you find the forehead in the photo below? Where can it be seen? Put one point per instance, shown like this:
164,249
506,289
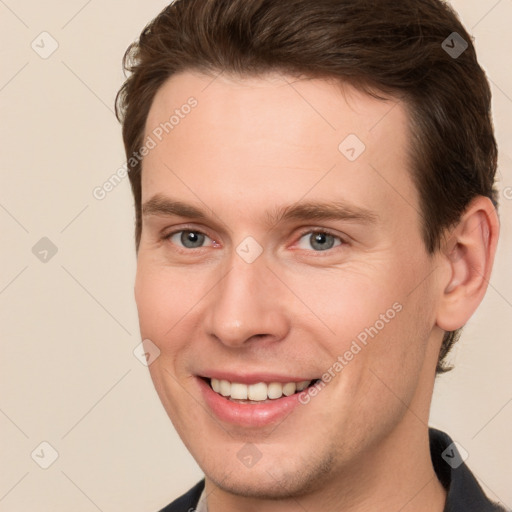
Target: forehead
275,138
273,101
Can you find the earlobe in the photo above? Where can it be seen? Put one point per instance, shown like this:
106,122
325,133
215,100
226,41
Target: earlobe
469,256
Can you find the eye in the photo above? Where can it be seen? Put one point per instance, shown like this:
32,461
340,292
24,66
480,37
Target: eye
319,240
189,239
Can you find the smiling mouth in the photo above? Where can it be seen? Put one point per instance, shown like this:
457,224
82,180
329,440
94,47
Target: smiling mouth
258,393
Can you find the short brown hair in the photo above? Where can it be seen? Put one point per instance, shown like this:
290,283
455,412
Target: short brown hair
389,46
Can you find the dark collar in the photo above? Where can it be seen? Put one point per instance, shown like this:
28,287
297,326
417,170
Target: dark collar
464,494
187,502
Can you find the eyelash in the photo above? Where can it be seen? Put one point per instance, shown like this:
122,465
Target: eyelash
303,233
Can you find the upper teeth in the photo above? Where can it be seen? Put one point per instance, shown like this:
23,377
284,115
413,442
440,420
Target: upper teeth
257,392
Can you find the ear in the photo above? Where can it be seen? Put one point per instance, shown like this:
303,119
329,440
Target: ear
467,256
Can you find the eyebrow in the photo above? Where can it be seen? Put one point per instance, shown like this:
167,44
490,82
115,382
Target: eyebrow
163,206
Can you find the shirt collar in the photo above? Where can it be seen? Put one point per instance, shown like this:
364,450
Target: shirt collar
463,493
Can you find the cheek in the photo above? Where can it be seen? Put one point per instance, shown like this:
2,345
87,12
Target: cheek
396,356
169,303
157,296
352,304
161,304
376,323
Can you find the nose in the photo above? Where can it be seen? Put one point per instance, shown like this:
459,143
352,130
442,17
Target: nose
248,305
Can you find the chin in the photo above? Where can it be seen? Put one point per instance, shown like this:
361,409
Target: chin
273,480
261,486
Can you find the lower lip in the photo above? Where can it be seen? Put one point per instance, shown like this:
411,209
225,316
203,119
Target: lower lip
248,415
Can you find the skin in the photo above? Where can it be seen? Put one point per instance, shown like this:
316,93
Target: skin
253,145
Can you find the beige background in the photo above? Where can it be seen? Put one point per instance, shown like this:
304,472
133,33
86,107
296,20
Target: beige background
68,375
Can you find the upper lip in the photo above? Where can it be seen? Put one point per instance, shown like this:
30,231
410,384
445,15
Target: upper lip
253,377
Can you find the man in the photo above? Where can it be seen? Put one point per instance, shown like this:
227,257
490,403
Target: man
315,223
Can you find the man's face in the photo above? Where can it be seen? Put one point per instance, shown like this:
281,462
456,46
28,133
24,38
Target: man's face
260,290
